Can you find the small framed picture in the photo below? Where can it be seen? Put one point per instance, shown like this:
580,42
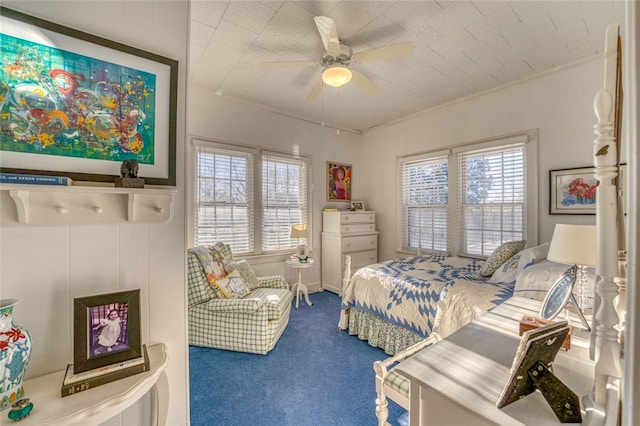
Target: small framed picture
106,329
357,205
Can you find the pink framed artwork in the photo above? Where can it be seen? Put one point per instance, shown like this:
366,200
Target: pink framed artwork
339,180
573,191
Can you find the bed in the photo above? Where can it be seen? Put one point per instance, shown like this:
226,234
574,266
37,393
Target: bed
397,303
403,305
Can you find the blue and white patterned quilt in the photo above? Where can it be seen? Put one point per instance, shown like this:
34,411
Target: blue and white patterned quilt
425,294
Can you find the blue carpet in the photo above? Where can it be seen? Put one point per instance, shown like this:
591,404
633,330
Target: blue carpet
316,375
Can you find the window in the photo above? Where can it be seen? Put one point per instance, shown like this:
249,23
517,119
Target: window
490,187
491,198
284,200
224,198
228,209
425,196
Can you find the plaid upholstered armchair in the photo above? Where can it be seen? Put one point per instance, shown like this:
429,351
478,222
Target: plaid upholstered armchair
229,307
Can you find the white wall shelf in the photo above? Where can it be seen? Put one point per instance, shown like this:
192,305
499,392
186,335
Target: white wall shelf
83,205
96,405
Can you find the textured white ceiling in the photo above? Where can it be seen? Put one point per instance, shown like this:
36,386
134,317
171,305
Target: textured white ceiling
462,48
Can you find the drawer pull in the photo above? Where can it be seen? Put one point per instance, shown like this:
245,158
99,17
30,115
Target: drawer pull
372,242
348,244
346,228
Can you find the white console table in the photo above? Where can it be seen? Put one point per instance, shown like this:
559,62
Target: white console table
93,406
458,380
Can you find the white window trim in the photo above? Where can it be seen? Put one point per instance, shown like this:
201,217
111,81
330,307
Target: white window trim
528,137
259,204
258,152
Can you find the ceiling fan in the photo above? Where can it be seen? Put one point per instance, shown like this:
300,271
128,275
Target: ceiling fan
338,56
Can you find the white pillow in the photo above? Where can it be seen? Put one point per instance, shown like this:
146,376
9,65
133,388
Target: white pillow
540,251
507,272
535,281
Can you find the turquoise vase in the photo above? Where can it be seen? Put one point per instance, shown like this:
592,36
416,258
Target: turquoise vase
15,350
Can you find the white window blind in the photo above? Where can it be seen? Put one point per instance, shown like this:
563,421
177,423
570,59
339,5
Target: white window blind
492,197
284,200
425,199
224,198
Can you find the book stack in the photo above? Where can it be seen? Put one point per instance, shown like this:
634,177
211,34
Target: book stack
78,382
24,179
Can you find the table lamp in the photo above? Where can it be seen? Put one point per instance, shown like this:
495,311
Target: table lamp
575,245
299,231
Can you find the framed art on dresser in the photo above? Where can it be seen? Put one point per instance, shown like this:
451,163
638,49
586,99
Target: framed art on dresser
339,180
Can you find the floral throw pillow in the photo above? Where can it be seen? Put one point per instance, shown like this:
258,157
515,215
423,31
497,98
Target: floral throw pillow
217,266
246,273
501,255
232,286
212,270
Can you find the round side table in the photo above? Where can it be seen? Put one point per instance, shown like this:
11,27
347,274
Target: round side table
299,287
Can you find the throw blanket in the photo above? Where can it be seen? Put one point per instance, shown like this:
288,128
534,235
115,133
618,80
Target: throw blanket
425,294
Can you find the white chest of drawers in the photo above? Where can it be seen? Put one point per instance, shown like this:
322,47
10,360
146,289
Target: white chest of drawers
347,233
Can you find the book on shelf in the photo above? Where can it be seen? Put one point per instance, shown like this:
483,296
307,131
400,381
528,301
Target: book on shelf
25,179
74,383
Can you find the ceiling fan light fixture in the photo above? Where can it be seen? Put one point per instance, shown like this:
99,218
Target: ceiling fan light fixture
336,76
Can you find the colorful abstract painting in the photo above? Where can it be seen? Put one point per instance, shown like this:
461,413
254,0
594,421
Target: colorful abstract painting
60,103
338,181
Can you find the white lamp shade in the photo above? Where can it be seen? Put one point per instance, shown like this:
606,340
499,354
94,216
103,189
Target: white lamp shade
336,76
298,231
573,245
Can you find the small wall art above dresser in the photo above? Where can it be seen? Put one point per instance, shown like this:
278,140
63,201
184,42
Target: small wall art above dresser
345,233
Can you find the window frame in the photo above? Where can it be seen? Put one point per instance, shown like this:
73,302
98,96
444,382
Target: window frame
288,157
403,188
454,237
256,202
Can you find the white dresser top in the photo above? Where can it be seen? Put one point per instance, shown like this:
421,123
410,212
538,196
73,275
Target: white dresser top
471,367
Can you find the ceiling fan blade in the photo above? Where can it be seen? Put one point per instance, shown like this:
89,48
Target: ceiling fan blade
329,34
364,83
315,90
284,64
386,52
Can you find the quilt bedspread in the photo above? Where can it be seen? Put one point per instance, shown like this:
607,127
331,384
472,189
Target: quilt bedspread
425,294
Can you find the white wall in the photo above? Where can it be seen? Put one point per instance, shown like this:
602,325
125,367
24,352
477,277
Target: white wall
221,119
558,104
47,267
